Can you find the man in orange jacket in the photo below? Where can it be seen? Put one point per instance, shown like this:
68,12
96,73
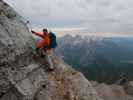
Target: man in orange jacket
45,42
44,46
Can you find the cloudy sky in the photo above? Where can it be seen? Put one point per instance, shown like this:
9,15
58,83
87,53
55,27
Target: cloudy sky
111,17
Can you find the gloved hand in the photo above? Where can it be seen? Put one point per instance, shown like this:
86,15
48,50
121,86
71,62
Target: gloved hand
37,48
32,31
34,48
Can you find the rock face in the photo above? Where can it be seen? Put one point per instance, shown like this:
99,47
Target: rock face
113,92
23,77
129,88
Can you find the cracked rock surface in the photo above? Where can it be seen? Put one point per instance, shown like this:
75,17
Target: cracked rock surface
23,77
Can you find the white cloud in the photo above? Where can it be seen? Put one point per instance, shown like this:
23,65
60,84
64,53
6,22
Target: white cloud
95,15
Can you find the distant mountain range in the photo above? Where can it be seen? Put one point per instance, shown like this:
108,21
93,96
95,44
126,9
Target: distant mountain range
100,59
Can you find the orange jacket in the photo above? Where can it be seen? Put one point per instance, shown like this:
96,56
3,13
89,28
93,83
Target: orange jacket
45,40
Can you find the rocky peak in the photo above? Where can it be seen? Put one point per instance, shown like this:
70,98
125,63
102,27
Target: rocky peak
23,77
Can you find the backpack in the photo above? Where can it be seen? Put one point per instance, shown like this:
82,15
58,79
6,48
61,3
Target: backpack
53,42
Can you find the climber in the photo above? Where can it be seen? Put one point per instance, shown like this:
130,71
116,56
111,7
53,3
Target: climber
47,42
44,42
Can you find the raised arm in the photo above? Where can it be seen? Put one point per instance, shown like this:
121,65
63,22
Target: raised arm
36,33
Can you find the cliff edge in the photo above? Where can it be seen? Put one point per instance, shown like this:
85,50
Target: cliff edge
24,78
